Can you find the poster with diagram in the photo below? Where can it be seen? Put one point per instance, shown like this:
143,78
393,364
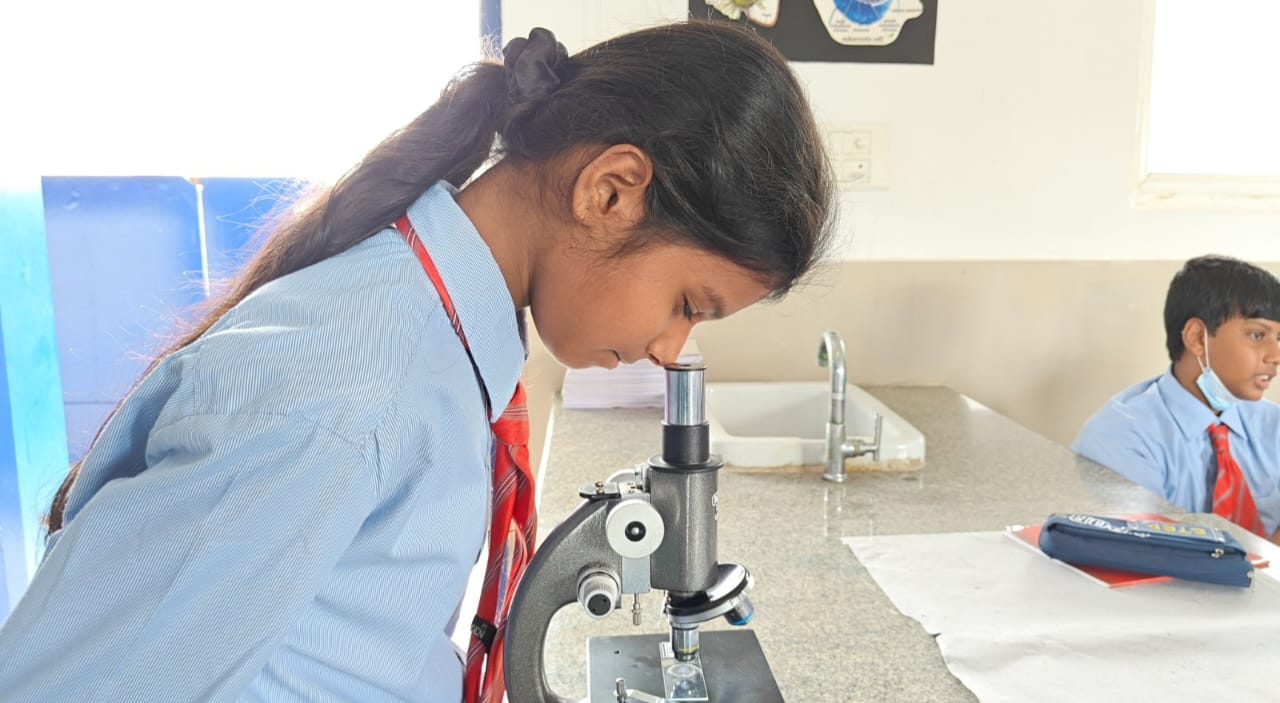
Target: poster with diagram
863,31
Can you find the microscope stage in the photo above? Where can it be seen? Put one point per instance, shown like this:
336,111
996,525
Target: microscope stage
734,666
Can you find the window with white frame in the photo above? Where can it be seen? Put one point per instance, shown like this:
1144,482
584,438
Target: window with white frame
1211,113
230,88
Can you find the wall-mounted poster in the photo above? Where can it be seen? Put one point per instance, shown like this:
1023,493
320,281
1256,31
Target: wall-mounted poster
865,31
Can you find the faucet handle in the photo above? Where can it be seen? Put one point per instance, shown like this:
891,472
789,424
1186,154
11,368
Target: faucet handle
857,446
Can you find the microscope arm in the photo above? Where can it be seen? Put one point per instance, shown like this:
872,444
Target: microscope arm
551,582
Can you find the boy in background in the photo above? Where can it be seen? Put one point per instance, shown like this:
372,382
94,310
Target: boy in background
1201,434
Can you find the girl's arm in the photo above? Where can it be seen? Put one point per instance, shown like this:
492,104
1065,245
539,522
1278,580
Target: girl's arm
177,583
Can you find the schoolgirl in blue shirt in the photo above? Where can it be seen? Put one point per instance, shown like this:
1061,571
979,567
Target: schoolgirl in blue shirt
288,504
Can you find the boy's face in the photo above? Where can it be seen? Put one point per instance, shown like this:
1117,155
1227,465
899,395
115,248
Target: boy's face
1245,353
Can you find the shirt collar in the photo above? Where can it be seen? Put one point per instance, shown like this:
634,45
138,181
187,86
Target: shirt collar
477,288
1192,416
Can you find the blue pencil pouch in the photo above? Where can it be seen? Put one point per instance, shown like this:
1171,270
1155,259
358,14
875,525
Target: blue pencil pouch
1173,549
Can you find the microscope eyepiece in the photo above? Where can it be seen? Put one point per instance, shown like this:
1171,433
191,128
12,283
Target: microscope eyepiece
685,434
685,400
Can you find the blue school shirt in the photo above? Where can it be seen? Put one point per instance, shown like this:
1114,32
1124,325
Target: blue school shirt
1156,434
288,509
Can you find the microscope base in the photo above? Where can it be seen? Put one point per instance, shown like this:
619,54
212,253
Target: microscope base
732,661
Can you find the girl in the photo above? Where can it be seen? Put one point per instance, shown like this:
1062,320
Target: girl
288,504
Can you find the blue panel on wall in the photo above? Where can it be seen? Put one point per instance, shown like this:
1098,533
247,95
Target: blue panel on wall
234,210
33,449
125,262
11,548
491,20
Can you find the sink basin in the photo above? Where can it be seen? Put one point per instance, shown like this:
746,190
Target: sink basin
771,424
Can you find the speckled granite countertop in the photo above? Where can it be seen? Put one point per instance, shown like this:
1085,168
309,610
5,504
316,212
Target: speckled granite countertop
828,631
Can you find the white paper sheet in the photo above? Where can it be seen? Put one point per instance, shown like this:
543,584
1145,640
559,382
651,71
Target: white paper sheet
1014,626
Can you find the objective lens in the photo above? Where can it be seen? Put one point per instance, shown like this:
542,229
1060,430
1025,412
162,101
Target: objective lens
684,643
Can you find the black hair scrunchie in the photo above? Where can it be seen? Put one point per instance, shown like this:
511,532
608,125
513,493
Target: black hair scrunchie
533,66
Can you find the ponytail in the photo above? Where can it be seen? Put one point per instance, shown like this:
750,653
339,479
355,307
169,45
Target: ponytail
447,142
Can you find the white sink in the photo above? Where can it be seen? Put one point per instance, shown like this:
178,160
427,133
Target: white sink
771,424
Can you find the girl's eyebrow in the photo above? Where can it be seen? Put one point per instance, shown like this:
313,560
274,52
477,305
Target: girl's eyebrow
717,303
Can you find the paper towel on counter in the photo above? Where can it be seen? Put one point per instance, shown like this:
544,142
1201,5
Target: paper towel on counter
1013,626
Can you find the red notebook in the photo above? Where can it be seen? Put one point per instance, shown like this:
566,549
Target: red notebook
1029,535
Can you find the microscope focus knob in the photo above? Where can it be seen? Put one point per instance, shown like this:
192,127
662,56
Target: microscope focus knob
634,528
599,593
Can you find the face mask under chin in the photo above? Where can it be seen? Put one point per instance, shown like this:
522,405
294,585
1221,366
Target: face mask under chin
1215,391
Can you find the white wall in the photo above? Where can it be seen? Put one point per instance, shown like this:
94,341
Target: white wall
1019,143
238,88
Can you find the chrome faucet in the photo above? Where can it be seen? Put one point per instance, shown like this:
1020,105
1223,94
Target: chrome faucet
839,446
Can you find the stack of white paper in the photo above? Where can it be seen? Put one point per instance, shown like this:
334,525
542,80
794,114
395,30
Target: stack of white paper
638,385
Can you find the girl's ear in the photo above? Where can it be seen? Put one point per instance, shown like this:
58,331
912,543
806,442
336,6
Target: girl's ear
1193,337
609,193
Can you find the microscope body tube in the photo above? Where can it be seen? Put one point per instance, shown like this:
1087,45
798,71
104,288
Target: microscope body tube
685,562
682,485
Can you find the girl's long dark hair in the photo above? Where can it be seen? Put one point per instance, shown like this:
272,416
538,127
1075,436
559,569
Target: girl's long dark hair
738,166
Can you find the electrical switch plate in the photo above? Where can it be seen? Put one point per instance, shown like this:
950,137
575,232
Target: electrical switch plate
859,154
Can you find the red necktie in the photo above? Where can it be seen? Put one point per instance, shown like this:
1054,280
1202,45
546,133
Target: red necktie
1231,496
513,494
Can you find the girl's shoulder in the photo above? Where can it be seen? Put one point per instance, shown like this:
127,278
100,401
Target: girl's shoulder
336,341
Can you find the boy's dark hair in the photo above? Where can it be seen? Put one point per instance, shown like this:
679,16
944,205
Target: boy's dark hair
1216,289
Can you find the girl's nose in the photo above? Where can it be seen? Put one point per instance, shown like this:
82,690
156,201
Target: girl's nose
666,348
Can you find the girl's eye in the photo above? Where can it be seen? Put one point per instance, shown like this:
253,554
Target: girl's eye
688,311
1256,335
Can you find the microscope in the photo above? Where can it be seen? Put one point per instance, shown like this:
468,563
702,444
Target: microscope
651,527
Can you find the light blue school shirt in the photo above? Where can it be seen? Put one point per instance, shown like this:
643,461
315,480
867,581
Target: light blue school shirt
1156,434
289,508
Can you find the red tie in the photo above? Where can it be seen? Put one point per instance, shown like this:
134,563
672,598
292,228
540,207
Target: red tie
1231,497
513,494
